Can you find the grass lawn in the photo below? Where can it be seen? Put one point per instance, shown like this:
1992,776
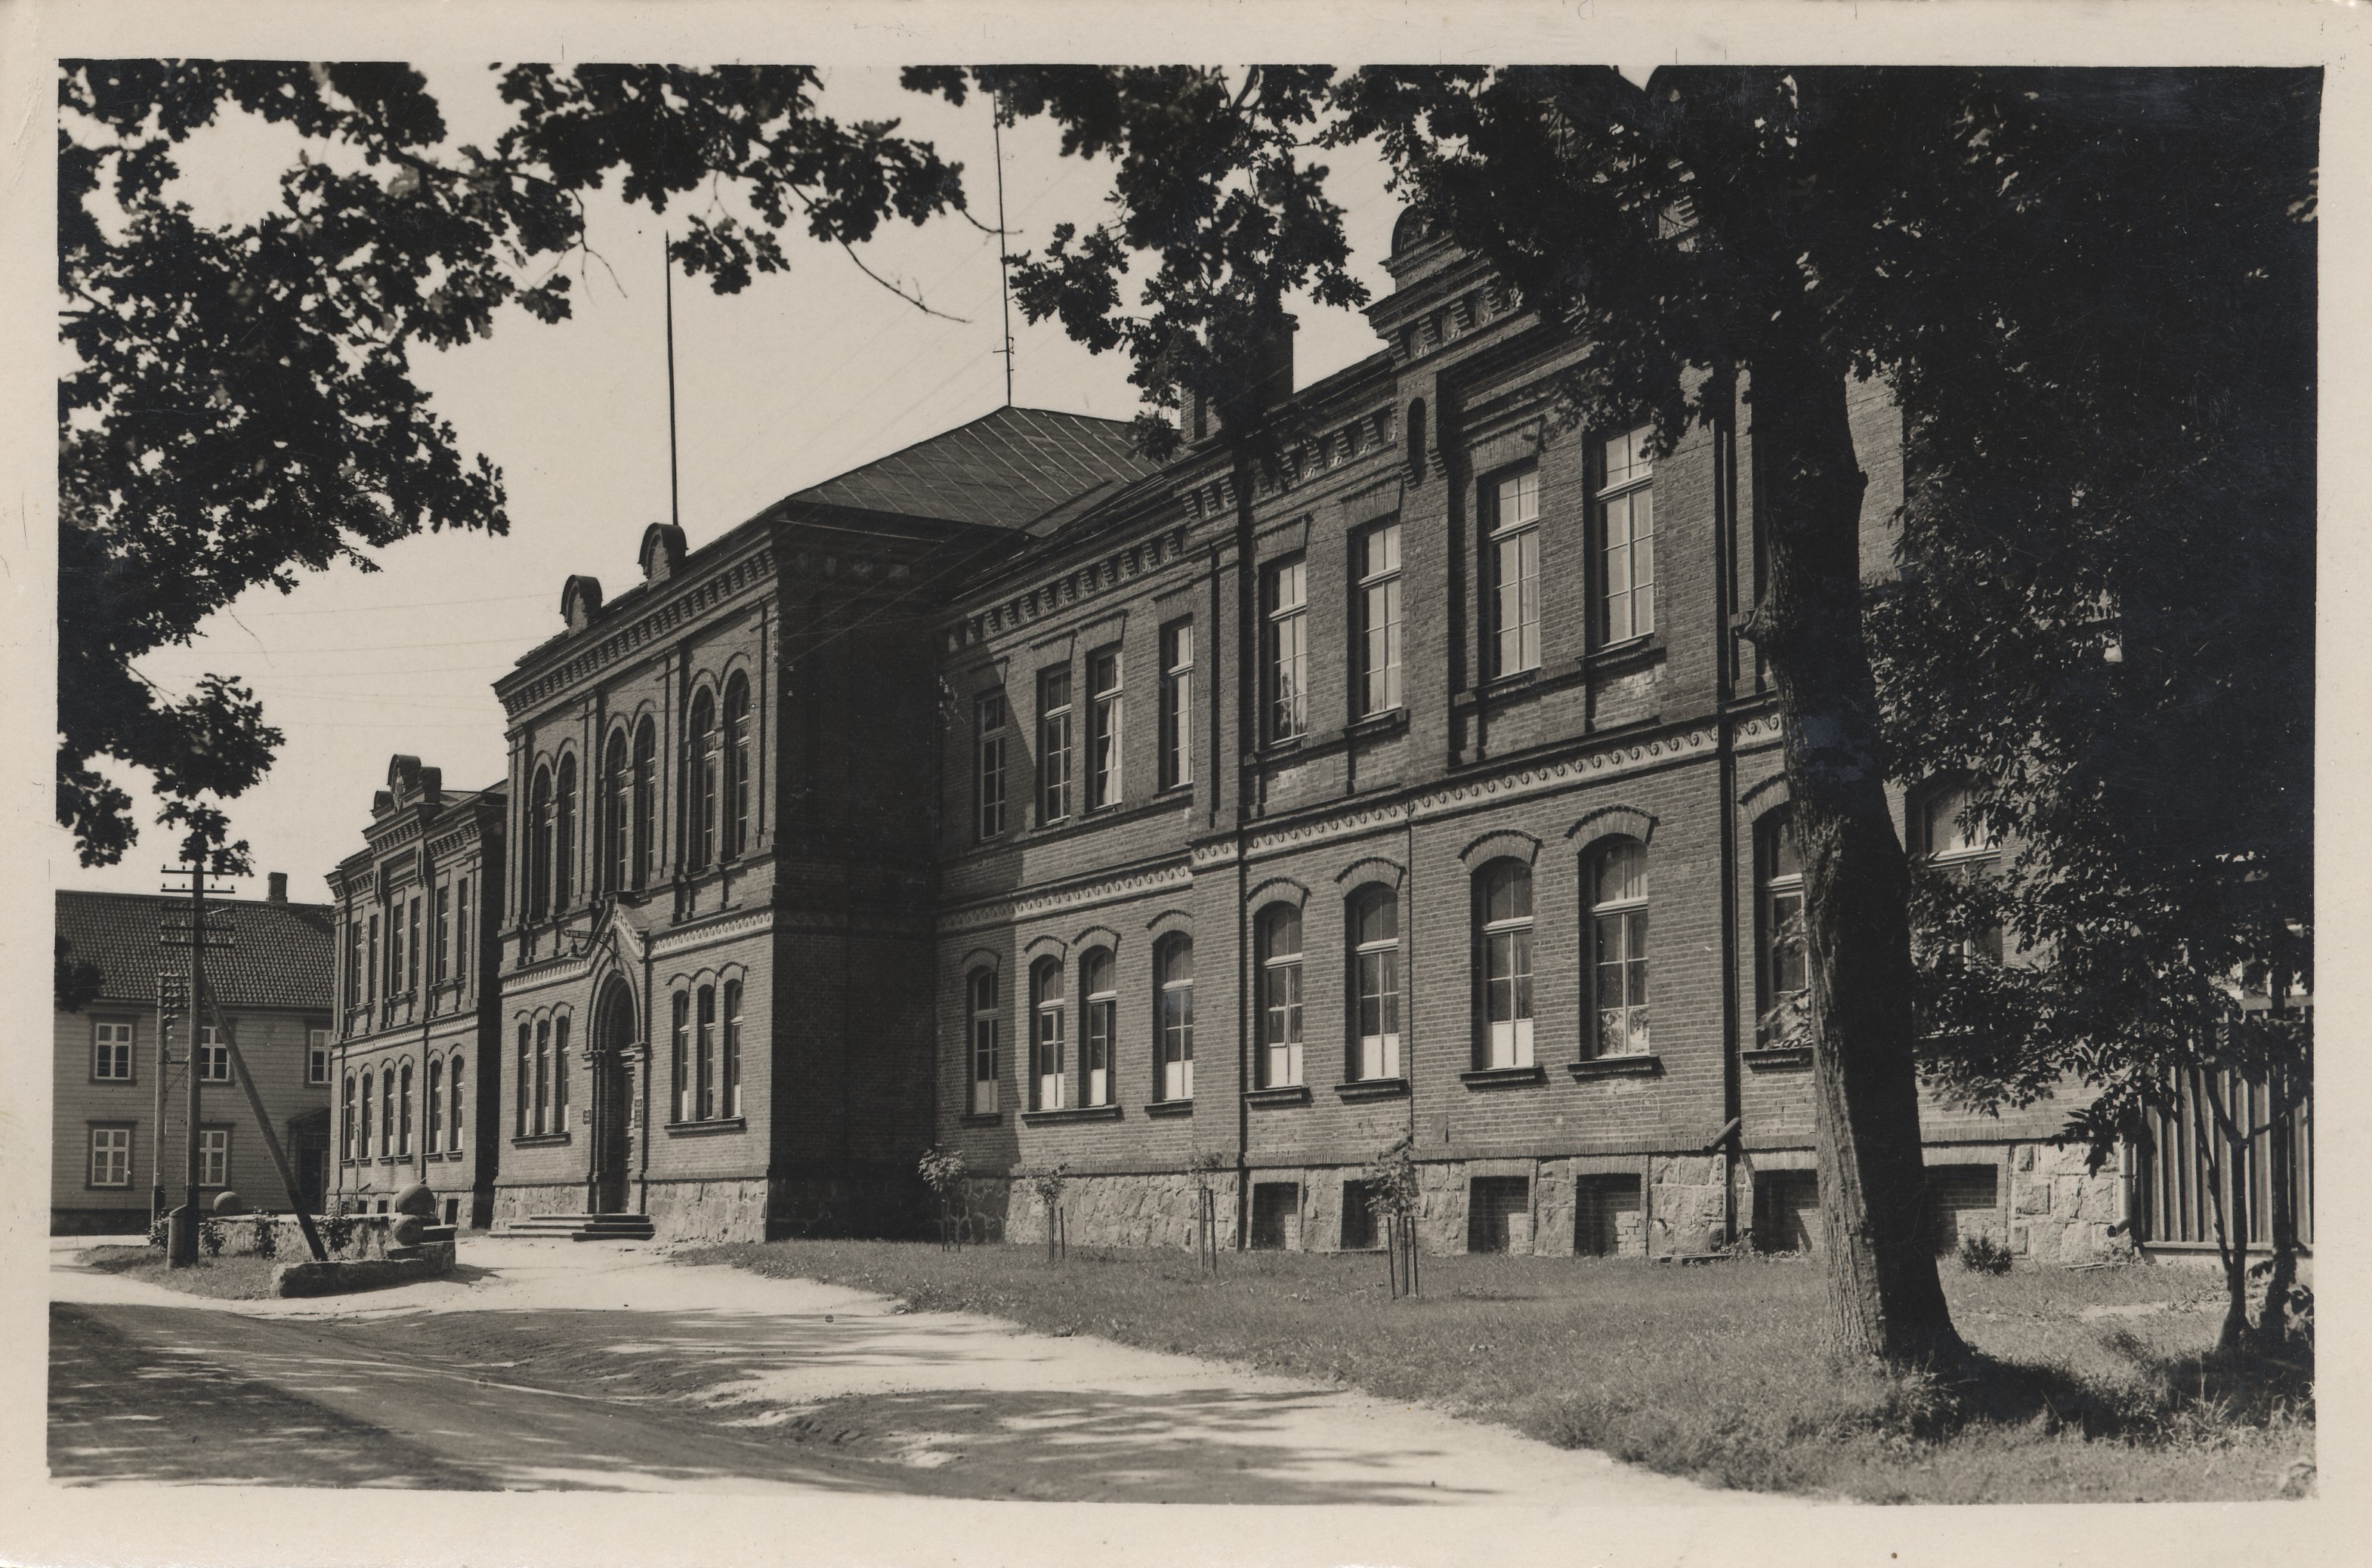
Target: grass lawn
2098,1386
226,1279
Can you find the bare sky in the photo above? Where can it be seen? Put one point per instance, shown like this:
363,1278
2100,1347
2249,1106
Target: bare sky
798,378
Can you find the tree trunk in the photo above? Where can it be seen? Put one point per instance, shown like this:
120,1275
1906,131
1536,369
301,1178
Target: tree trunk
2272,1323
2222,1199
1884,1294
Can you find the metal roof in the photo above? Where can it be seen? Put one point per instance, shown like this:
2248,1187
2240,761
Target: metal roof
1003,469
281,957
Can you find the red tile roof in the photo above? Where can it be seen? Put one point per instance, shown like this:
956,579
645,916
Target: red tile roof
1003,469
281,959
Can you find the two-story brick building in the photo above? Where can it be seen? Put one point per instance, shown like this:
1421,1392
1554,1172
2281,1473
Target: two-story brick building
1011,796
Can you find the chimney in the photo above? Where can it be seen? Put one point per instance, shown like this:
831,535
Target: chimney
278,883
1275,370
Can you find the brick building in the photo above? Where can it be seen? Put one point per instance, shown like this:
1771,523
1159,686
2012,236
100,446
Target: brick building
1005,794
112,1094
418,912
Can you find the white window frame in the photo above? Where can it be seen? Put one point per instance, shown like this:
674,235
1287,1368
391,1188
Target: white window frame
1285,622
1626,498
110,1158
1282,1062
1514,555
1375,991
1106,786
1098,1025
1053,745
214,1157
1048,1067
1779,918
111,1056
1619,1026
1174,1021
214,1055
1379,555
981,1003
1507,1042
1177,766
989,728
317,1055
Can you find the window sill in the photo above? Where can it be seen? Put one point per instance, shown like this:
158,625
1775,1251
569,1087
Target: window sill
1641,1065
539,1140
1501,685
1502,1078
1372,1088
694,1129
1278,751
980,1118
1169,1108
1070,1113
1634,653
1282,1094
1391,721
134,1083
1764,1059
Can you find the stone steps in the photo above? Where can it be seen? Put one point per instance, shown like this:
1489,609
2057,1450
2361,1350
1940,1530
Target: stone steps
580,1228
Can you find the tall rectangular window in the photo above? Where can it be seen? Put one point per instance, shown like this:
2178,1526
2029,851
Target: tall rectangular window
411,946
1054,746
111,1156
1173,974
214,1056
111,1051
373,970
732,1048
1103,728
214,1157
681,1057
1285,596
560,1074
1176,705
441,938
988,767
1098,1015
1048,1069
704,1084
543,1076
403,1112
1626,532
433,1139
462,931
1280,984
395,949
1505,939
1376,966
1514,553
1378,558
317,1055
354,983
982,1006
526,1085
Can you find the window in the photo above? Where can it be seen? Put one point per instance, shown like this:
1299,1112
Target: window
1280,994
356,982
680,1058
1779,977
1286,599
214,1157
1103,728
704,1058
1099,1009
618,813
1952,840
110,1050
559,1075
1173,972
1626,534
1377,555
1618,941
214,1056
563,835
412,946
395,949
983,1043
646,794
373,971
1046,1065
538,841
462,931
1513,553
739,752
434,1138
317,1055
700,836
454,1124
732,1048
403,1111
363,1138
1505,939
346,1119
1375,984
1054,746
440,937
1176,705
526,1079
541,1119
111,1156
988,766
1499,1214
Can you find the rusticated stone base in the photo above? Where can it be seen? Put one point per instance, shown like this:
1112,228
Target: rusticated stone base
2058,1213
703,1212
1112,1211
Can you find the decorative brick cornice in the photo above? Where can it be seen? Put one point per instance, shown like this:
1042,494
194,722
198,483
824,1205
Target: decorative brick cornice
1304,460
1088,580
1170,877
603,649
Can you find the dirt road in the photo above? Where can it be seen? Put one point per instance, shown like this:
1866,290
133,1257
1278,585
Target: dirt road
546,1364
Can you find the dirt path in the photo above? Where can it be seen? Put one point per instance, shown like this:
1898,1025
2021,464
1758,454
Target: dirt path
549,1364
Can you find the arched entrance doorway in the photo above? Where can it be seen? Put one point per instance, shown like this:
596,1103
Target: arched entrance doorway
613,1099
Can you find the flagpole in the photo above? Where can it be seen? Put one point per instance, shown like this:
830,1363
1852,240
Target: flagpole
1004,289
675,505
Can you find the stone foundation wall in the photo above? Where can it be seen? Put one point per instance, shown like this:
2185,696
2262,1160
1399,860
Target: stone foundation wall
1112,1211
2060,1215
553,1198
702,1211
366,1237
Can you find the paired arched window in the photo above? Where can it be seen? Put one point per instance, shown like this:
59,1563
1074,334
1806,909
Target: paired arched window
563,834
731,1090
1099,1023
739,747
1280,997
1047,1068
363,1125
524,1100
618,813
703,1100
680,1057
1503,954
1173,979
981,1001
645,800
1779,974
539,845
1616,876
1375,929
700,847
387,1111
559,1120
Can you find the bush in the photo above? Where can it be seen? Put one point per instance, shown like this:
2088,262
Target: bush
210,1236
1982,1255
267,1237
336,1231
159,1231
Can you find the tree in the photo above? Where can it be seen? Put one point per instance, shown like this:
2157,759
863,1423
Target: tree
242,407
2107,549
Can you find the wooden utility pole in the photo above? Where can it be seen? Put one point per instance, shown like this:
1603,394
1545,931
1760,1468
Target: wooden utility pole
263,1126
182,1241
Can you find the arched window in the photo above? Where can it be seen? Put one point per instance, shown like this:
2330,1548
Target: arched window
618,814
563,835
433,1138
1047,1069
647,760
700,846
1173,978
704,1084
1098,1016
539,845
1950,838
542,1119
680,1058
732,1048
526,1078
1503,944
1617,943
453,1137
981,1001
346,1119
1374,926
1280,994
1779,974
387,1112
363,1134
559,1075
738,744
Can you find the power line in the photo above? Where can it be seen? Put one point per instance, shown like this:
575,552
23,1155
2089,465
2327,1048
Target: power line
415,604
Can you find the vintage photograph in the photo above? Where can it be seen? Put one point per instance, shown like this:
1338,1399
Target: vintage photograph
1563,786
